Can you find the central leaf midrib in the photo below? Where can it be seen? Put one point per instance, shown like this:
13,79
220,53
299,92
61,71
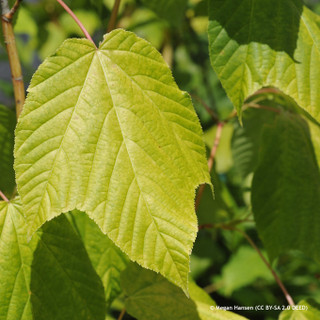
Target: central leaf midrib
142,194
178,138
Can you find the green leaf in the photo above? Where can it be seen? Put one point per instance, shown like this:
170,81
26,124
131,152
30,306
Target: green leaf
106,258
15,263
7,125
273,43
235,273
53,270
64,284
315,137
150,296
310,310
170,10
286,188
205,305
247,138
108,132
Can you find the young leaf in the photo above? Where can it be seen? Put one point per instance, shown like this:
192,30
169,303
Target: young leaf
53,270
266,43
7,125
286,188
108,132
106,258
150,296
305,310
170,10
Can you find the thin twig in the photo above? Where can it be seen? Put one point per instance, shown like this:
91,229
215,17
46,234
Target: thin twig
267,90
213,287
208,109
211,160
13,10
86,33
114,14
230,227
4,197
260,106
276,277
14,61
123,312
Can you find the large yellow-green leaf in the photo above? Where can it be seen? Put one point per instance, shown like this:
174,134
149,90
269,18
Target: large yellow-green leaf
108,132
52,271
257,43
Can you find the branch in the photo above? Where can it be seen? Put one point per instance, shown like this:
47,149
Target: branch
260,106
208,109
10,43
123,312
4,197
5,9
279,282
13,10
73,16
211,160
114,14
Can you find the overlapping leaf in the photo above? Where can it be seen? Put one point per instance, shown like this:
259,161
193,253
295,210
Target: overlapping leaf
150,296
266,43
106,258
108,132
15,263
7,125
171,10
246,140
52,271
286,188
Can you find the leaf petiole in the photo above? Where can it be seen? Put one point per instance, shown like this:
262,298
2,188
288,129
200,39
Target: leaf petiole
4,197
74,17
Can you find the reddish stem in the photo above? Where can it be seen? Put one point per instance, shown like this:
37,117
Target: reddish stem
255,247
211,160
3,196
123,312
279,282
86,33
208,109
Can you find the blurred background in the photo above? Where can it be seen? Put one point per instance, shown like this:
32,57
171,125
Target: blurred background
222,262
